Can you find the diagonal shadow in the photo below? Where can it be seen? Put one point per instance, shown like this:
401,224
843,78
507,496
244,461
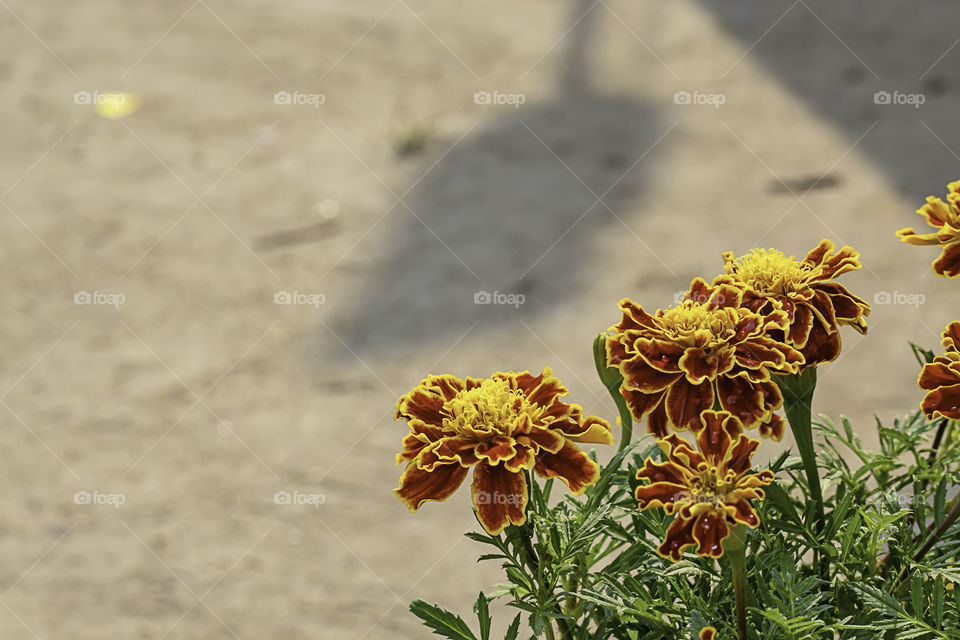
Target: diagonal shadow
502,213
834,56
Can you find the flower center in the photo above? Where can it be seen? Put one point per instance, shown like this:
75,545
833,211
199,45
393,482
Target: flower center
491,409
770,271
712,488
691,323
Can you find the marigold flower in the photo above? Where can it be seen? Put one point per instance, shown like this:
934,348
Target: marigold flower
708,491
672,361
707,633
502,426
945,218
816,306
942,378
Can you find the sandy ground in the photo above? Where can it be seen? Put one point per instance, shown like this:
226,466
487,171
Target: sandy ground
199,398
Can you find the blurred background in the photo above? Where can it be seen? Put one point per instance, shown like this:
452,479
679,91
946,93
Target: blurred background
219,279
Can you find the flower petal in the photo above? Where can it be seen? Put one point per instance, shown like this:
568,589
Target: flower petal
662,472
948,264
707,633
660,494
938,374
679,536
697,366
571,465
801,325
951,337
496,449
590,429
744,399
418,485
710,530
821,346
719,429
499,497
639,375
773,428
746,514
686,401
944,401
740,453
447,450
639,403
634,317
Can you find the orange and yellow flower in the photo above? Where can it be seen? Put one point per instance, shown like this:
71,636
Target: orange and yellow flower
707,633
708,491
501,426
815,305
942,378
944,217
673,361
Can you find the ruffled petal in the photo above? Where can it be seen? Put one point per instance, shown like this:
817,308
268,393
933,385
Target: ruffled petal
542,439
634,317
719,428
710,530
698,366
801,325
590,429
660,494
679,536
938,374
571,465
640,375
772,428
496,449
944,401
450,449
499,497
686,401
744,513
418,485
740,454
743,398
948,264
663,473
951,337
639,403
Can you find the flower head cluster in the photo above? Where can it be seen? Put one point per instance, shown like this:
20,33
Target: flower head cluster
941,378
677,361
944,217
501,427
707,490
815,305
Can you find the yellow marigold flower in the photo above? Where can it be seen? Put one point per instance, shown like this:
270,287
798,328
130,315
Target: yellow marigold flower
815,305
942,378
945,218
501,426
708,491
707,633
672,361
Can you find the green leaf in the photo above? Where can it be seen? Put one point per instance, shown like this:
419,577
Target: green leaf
443,623
482,609
513,630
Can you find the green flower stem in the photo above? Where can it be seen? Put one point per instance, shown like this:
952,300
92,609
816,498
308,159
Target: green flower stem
611,378
735,550
797,390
